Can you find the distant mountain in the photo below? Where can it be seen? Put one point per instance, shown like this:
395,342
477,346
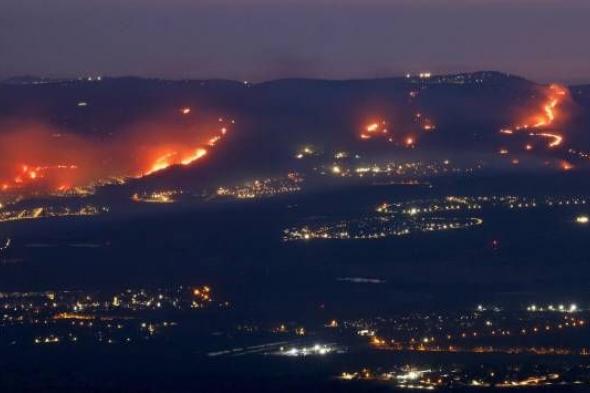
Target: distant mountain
276,118
31,80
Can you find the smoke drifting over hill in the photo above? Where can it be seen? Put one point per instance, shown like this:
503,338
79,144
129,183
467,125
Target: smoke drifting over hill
36,155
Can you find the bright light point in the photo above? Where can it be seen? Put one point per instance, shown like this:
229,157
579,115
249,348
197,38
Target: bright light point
185,111
566,166
316,350
372,127
582,219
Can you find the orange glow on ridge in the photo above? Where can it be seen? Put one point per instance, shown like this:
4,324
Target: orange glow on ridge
546,116
43,163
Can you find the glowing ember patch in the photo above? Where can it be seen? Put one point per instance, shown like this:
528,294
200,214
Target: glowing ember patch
199,153
566,166
136,152
213,140
173,158
556,139
162,162
375,129
372,127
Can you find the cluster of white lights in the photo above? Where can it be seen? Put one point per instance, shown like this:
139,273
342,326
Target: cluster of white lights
560,308
316,350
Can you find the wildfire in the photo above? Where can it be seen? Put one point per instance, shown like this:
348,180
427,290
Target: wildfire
566,166
374,129
175,157
200,152
213,140
548,115
27,174
45,164
556,139
162,162
545,118
379,129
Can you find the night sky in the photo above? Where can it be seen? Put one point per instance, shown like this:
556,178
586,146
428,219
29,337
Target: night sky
255,40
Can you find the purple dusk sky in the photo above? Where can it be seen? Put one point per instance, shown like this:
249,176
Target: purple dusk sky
546,40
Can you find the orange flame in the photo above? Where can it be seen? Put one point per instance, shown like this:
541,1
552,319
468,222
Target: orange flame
546,117
556,139
566,166
374,129
43,163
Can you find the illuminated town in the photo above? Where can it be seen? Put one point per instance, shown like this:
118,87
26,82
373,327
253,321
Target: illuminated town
50,211
416,169
78,317
428,215
406,377
264,188
260,188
